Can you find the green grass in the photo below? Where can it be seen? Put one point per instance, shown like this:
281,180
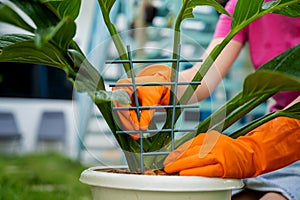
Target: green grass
41,176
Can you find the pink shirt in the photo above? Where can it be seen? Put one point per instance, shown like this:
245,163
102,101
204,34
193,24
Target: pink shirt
267,36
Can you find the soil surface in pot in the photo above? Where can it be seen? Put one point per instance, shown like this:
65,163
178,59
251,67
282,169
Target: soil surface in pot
156,172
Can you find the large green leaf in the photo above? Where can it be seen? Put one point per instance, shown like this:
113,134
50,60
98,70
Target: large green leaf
264,81
38,12
9,16
258,87
65,33
87,77
64,8
293,111
287,62
244,10
291,10
280,74
83,84
62,34
9,39
20,48
49,26
191,4
247,11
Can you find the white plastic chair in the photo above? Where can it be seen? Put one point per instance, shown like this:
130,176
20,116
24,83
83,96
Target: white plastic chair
10,136
52,129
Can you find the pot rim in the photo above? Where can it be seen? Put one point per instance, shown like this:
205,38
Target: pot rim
92,176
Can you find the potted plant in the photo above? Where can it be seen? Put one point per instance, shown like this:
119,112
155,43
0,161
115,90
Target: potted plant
51,43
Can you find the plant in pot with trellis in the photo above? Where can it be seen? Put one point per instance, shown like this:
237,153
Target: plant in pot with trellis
50,42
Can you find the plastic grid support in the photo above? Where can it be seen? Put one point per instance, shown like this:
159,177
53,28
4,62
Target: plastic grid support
138,108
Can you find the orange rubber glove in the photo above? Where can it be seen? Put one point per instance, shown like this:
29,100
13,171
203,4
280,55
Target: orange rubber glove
271,146
147,95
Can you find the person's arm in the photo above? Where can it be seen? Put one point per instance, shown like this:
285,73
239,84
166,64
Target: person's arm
217,71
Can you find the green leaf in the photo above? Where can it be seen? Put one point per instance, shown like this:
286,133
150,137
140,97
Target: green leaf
21,48
245,10
280,74
258,87
87,77
9,16
43,36
42,16
264,82
9,39
290,10
62,34
191,4
65,33
49,27
292,111
64,8
120,96
287,62
82,84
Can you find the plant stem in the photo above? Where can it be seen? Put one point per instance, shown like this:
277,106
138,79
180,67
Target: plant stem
244,107
176,42
254,124
158,142
115,37
293,112
219,114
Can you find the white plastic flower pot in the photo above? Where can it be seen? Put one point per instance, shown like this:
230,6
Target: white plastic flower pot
115,186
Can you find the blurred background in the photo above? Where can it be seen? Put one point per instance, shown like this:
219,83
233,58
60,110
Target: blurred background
43,114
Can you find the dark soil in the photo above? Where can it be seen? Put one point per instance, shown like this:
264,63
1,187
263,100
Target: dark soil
157,172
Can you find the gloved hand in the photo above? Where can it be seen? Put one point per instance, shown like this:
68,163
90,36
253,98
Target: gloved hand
147,95
271,146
